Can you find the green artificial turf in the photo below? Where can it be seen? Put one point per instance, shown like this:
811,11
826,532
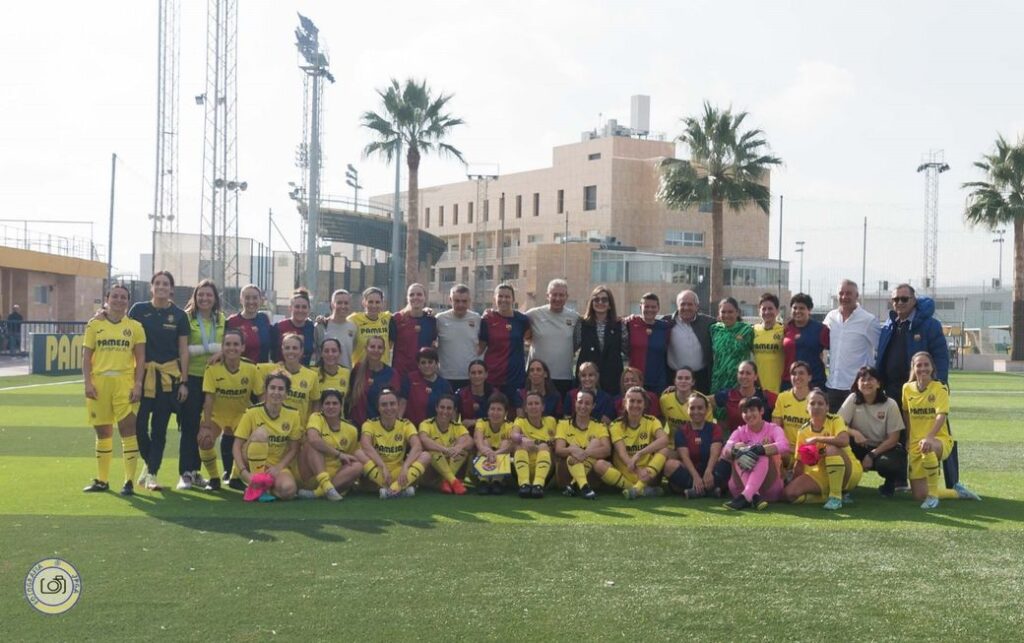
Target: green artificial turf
177,565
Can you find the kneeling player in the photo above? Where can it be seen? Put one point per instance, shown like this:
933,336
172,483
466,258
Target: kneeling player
330,461
637,439
267,440
448,443
580,441
533,435
385,442
825,465
699,471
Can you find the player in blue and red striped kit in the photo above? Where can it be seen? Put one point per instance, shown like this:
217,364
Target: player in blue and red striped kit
503,331
423,388
645,341
410,330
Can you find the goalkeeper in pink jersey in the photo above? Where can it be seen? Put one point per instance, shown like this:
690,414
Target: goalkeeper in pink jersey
755,451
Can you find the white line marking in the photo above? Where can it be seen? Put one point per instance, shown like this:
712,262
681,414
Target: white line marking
17,388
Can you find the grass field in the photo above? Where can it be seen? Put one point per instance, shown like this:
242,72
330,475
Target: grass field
194,565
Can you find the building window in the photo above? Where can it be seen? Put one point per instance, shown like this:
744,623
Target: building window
487,210
684,239
41,294
469,212
446,275
992,306
455,214
465,274
536,204
560,203
519,206
594,157
534,238
705,206
440,216
590,197
945,304
426,217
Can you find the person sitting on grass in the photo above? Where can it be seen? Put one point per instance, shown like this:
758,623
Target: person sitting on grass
580,441
493,438
448,443
755,450
635,377
330,461
534,437
538,380
395,457
675,402
473,397
824,465
604,404
637,441
791,407
874,423
926,413
699,470
267,441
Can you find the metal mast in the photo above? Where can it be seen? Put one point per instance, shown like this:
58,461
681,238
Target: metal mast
219,212
932,164
483,177
165,191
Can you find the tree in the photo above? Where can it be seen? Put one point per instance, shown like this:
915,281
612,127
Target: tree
726,165
999,200
413,116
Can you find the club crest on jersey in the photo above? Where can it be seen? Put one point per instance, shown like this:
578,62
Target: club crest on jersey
569,322
797,336
286,426
931,398
643,436
880,415
697,440
417,328
472,324
917,337
648,331
170,319
303,384
508,326
245,380
126,332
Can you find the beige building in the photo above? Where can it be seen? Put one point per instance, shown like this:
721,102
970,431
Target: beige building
50,278
592,218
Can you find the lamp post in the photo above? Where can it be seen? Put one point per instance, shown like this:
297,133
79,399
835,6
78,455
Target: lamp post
352,180
800,249
1000,241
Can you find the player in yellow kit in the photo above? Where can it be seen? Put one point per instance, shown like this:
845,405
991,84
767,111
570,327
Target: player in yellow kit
925,413
580,441
533,436
637,442
395,457
267,439
448,443
493,438
113,365
791,407
332,374
373,322
304,392
767,347
835,470
330,460
229,386
675,401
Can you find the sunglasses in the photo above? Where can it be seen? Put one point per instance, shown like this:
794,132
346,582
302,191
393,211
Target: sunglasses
600,300
900,300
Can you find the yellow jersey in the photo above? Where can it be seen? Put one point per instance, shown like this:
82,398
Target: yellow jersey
390,443
923,406
345,439
282,430
674,411
791,414
113,345
232,391
495,437
635,438
338,381
768,355
543,433
445,439
367,328
572,434
305,388
833,426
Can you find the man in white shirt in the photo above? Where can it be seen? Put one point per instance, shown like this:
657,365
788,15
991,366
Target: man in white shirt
853,340
552,329
690,343
457,337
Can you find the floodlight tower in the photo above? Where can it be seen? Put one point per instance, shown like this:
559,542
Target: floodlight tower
483,176
219,210
932,164
165,191
307,40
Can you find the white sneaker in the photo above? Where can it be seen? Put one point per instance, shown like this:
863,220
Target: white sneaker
184,482
931,502
144,475
963,493
333,495
385,493
306,494
408,492
151,483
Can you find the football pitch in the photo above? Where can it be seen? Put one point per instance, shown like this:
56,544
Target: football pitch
194,565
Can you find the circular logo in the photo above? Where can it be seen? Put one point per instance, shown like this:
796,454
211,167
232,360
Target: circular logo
53,586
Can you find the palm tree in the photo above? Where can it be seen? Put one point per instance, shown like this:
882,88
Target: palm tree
726,166
999,200
413,117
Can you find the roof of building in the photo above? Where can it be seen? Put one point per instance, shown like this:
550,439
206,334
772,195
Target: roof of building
347,226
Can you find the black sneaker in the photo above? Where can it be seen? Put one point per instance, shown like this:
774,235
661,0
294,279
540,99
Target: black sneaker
524,491
213,484
887,489
484,488
759,503
738,503
226,477
569,490
537,491
588,493
236,484
497,488
128,489
96,486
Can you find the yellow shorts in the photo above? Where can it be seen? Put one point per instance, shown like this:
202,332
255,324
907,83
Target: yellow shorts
915,459
820,475
112,400
630,476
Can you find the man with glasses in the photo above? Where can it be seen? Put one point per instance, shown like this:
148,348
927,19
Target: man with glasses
690,341
909,329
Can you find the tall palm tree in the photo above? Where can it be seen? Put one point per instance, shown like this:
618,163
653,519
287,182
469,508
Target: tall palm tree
413,116
726,165
999,200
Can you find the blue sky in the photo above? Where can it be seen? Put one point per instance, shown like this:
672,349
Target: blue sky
850,95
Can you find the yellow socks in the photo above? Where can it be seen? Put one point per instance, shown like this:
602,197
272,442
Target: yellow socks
578,471
209,460
614,478
257,454
323,484
836,468
373,474
655,464
440,464
541,468
104,454
415,471
130,454
933,474
522,462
